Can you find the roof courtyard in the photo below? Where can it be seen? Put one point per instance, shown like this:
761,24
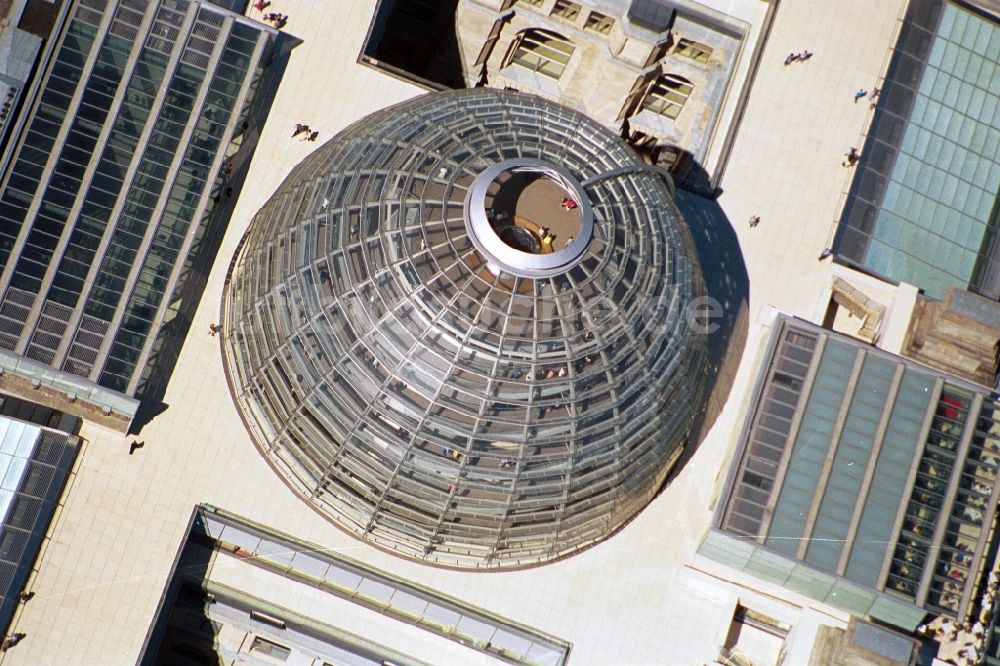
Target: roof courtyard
643,596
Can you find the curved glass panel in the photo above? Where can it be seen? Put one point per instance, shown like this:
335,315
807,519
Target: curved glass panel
432,403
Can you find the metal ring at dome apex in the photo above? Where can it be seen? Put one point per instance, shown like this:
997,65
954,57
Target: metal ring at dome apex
509,259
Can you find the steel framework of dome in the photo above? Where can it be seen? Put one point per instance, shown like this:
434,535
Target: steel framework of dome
447,397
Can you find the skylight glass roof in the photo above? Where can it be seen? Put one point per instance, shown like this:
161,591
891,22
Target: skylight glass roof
429,394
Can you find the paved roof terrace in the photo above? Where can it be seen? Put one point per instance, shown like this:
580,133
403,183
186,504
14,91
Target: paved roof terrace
124,517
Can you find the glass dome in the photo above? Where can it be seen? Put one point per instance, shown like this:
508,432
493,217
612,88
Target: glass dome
459,329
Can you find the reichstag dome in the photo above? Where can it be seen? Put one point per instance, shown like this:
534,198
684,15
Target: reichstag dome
459,330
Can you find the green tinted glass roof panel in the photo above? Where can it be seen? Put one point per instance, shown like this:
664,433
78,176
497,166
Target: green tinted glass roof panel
891,469
850,462
939,171
812,442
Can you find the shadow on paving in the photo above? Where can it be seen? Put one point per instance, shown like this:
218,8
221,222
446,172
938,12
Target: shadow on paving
182,632
728,284
417,40
205,249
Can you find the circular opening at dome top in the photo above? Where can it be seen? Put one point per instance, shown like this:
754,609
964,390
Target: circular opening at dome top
528,218
532,212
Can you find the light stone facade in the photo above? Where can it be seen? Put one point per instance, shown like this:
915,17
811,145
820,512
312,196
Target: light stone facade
612,72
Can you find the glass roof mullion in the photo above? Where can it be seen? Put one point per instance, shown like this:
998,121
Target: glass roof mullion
468,452
412,345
